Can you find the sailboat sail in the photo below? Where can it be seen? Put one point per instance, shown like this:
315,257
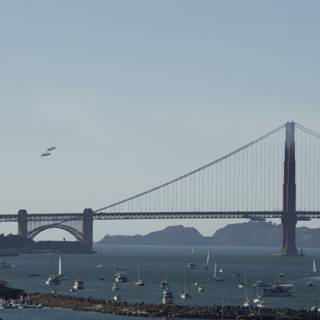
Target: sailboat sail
314,268
60,267
208,257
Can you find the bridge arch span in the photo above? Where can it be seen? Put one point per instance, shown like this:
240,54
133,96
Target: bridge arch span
77,235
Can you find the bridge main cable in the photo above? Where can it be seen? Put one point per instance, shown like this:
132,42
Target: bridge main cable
193,171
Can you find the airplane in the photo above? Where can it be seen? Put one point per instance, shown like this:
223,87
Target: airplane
51,148
45,154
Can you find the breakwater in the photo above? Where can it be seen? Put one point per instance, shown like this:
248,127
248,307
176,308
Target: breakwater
172,311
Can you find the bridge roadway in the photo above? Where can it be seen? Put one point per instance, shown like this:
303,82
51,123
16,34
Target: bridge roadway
64,217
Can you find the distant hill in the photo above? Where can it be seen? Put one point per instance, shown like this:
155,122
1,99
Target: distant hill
239,234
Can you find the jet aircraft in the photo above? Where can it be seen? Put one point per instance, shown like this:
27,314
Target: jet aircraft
45,154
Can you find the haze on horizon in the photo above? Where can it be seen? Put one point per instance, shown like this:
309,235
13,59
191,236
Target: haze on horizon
136,93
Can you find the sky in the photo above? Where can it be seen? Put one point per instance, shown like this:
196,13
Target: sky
134,93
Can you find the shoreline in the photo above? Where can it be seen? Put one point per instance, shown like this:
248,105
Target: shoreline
170,311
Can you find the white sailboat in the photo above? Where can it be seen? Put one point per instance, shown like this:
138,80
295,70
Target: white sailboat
184,294
314,267
206,267
60,267
139,282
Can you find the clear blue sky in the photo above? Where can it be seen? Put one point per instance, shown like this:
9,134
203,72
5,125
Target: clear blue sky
136,92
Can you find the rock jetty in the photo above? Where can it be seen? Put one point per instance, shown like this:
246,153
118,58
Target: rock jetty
170,311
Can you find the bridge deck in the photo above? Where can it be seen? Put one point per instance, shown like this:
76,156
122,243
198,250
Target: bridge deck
51,217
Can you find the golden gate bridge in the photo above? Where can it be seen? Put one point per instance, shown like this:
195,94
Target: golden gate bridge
274,176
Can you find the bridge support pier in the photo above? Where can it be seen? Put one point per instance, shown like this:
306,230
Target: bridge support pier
289,222
289,218
87,228
23,223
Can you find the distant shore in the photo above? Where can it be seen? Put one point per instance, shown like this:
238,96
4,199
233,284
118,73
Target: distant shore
172,311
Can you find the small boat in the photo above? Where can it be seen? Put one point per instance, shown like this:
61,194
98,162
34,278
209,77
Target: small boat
116,298
261,284
240,285
102,278
167,297
78,285
53,280
4,265
281,275
120,276
261,304
115,287
197,283
139,282
100,266
215,276
314,267
191,265
33,275
184,294
246,303
278,290
309,284
200,288
164,285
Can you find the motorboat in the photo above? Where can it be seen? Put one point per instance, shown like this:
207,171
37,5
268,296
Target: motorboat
191,265
100,266
197,283
278,290
33,275
309,284
120,276
261,284
200,288
102,278
78,285
167,297
5,265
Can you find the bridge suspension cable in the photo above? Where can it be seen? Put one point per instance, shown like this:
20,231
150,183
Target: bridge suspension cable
200,182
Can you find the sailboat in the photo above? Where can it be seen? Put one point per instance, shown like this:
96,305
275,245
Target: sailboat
60,267
139,282
206,267
314,268
184,294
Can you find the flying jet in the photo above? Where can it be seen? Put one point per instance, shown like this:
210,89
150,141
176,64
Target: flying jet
45,154
51,148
